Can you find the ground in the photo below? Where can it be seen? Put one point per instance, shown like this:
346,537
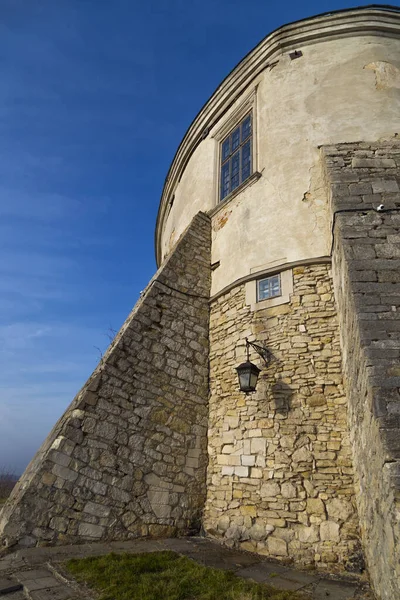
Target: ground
42,575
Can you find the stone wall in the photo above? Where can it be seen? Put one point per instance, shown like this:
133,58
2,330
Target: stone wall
280,476
366,263
128,458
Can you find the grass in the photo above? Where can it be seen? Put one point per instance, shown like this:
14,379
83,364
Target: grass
165,576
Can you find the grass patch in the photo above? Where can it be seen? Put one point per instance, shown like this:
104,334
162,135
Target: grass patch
166,576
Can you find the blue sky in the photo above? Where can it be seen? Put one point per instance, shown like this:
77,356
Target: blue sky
95,97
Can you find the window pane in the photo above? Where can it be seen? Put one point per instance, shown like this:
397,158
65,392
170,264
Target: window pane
246,160
225,180
275,287
235,171
235,139
225,149
269,287
246,128
263,289
236,157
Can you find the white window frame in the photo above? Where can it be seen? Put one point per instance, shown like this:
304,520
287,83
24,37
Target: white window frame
286,276
249,105
269,277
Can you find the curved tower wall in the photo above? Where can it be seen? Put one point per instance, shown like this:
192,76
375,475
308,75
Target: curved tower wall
342,89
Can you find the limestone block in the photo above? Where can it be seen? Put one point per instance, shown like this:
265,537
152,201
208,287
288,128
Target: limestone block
248,460
233,533
59,524
256,473
241,471
64,473
248,546
258,445
269,528
302,455
257,532
309,535
288,490
270,490
248,510
48,478
98,510
226,470
329,531
315,506
162,511
88,530
277,547
316,400
339,509
223,523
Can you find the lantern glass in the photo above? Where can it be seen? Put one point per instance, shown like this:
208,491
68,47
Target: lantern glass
248,376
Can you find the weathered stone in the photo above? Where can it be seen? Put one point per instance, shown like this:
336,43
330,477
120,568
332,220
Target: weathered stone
276,434
88,530
65,473
329,531
316,400
270,490
223,523
233,533
111,432
98,510
339,509
309,535
288,490
315,506
302,455
276,546
367,308
257,532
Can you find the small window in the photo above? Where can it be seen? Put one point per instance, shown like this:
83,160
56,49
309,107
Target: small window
236,157
270,287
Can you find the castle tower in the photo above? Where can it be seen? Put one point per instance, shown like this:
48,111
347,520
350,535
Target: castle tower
279,223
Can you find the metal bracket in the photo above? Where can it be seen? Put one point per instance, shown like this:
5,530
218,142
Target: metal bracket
261,350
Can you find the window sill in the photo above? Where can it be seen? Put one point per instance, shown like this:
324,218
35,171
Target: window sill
254,177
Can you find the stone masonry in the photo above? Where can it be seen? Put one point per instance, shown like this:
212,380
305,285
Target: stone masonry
128,457
280,476
366,272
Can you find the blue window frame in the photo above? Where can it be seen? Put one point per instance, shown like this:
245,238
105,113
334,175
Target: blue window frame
236,157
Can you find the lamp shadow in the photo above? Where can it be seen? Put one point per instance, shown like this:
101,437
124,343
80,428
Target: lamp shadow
281,397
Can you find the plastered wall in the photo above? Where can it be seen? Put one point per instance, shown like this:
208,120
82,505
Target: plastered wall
339,90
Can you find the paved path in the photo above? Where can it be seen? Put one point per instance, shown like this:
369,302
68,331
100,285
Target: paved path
39,575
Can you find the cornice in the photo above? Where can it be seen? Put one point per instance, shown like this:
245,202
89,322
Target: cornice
366,20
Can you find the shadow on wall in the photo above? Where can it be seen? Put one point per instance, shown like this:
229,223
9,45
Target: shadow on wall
281,397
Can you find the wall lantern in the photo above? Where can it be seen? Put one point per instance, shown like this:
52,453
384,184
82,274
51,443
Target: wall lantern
248,372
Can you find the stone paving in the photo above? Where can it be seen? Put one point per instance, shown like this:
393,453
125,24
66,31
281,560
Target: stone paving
39,572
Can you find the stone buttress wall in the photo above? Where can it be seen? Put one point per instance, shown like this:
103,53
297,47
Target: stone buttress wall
366,270
280,476
128,457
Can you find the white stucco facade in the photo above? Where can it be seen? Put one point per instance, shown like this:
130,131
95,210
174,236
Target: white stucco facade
345,87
